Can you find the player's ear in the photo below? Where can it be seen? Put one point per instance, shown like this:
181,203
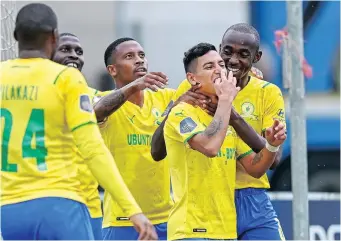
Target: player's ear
55,36
219,48
191,79
257,57
112,70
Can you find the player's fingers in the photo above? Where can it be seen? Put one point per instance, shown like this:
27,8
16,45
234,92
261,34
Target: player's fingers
159,84
153,235
268,131
280,127
153,77
223,75
238,89
279,133
230,76
162,75
143,232
210,110
275,124
152,87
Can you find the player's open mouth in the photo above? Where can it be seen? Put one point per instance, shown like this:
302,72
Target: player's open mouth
73,64
234,70
141,70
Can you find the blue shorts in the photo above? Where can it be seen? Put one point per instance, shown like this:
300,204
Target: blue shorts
96,224
129,233
49,218
256,217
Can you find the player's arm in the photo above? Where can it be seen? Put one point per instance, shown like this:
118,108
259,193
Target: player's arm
211,139
246,132
274,109
81,120
113,101
158,145
257,164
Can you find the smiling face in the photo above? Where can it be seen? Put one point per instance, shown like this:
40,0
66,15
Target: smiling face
206,69
128,62
69,52
239,51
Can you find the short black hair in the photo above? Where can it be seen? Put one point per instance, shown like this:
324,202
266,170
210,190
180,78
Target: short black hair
67,34
33,22
112,47
196,52
245,28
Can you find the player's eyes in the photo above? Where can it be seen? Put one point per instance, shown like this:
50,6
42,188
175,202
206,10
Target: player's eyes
63,49
80,52
129,56
244,54
142,55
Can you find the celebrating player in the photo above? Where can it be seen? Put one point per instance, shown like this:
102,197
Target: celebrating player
202,153
259,103
129,115
47,115
70,53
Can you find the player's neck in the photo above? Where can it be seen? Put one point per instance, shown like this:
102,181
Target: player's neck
243,82
137,98
30,54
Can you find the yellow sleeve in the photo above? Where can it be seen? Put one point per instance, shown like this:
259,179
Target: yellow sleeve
168,94
182,89
184,122
175,94
242,149
274,105
103,167
77,100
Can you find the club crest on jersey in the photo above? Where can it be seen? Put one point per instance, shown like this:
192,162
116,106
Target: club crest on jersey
157,115
187,125
229,131
85,103
247,111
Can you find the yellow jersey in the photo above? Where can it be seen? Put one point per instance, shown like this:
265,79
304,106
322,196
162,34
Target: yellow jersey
42,102
259,103
203,187
88,183
127,134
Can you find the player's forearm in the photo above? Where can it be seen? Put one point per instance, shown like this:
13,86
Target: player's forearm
258,164
210,141
246,132
113,101
158,149
103,167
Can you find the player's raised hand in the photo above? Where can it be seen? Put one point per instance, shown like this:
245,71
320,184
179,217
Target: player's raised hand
225,86
256,72
152,80
276,134
144,227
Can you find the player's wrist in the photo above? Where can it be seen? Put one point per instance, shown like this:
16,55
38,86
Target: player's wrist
271,148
